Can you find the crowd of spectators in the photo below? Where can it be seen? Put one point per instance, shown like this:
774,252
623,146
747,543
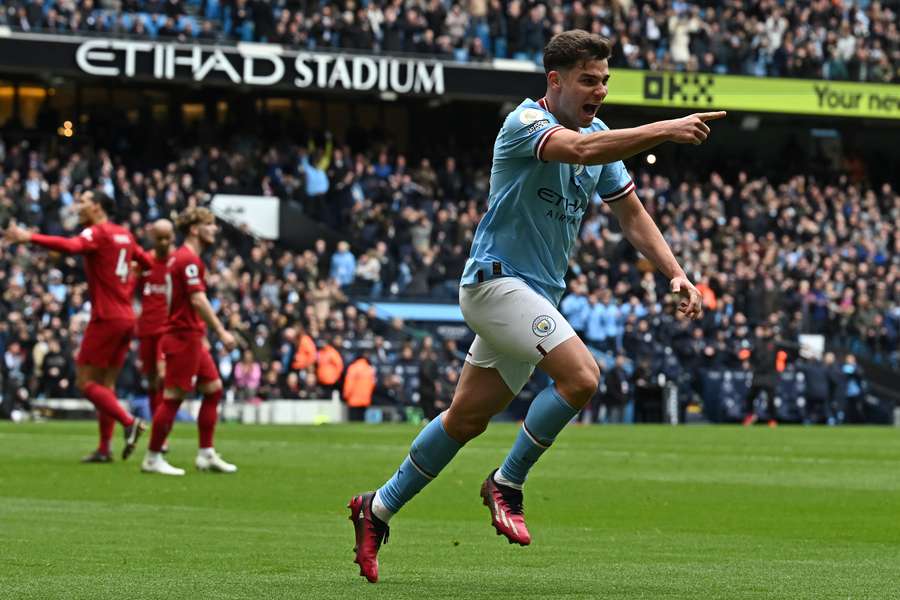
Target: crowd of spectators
792,257
276,301
830,39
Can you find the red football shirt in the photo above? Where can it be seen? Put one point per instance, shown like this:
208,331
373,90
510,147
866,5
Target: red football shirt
108,250
154,289
187,275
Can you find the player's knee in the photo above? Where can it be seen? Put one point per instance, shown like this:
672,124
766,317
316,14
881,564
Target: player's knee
81,381
462,426
211,387
173,394
580,384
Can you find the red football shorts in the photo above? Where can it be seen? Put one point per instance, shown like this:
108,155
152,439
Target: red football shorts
105,343
188,362
150,351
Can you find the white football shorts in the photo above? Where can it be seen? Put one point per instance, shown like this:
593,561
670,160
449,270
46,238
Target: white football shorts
515,327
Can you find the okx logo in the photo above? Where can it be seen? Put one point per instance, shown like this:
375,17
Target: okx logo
679,88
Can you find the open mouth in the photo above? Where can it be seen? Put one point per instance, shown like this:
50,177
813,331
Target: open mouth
590,110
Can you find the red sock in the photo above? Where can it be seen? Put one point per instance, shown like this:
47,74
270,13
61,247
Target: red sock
104,399
206,420
163,419
156,398
107,428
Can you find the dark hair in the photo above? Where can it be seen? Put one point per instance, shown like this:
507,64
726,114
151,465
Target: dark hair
570,48
107,203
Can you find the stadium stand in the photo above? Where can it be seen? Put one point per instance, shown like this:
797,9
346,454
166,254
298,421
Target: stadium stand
838,40
792,257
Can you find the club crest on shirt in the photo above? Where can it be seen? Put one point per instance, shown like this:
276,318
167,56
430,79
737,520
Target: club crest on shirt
530,115
543,326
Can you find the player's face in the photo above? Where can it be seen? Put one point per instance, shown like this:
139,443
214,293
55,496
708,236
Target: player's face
87,209
162,241
207,232
582,91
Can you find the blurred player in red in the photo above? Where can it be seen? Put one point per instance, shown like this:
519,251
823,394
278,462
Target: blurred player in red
153,287
108,250
189,364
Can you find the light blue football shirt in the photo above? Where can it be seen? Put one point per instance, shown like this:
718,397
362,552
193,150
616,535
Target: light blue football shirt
535,207
576,308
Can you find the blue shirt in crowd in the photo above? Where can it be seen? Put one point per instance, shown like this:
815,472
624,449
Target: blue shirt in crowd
343,267
576,308
596,323
316,179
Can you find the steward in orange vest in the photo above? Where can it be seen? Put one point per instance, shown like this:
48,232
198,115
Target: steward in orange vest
305,357
329,366
359,383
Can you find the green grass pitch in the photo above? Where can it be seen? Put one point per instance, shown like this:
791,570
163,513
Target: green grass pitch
616,512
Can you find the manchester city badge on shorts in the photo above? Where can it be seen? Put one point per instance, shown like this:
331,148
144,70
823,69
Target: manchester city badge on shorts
543,326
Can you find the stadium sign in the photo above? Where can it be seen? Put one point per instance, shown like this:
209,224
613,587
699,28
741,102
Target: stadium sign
755,94
270,66
259,214
259,65
270,218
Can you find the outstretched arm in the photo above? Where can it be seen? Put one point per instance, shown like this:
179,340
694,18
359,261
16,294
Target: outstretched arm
642,232
604,147
19,235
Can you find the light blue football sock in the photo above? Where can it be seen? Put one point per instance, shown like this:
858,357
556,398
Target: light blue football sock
548,414
430,452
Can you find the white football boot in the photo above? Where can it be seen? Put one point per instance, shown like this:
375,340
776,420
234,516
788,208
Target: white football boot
209,460
158,464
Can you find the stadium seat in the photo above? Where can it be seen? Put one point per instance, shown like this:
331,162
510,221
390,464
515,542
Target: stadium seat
724,393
